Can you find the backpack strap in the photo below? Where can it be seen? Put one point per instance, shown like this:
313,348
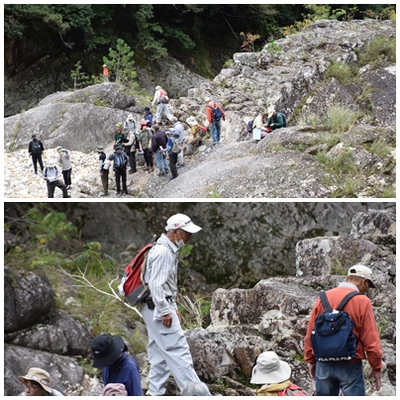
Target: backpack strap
327,306
346,299
325,302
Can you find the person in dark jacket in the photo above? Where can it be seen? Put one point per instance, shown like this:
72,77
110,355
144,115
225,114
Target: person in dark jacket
148,116
159,143
120,171
35,151
109,353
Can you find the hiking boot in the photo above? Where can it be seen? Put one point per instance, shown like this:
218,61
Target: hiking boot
151,169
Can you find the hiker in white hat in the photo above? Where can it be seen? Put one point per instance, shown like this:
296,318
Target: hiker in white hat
274,375
168,350
37,383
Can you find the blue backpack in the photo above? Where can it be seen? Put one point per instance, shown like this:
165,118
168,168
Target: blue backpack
333,338
217,113
119,161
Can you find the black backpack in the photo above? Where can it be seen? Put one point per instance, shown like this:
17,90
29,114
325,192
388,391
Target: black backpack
35,147
332,337
250,126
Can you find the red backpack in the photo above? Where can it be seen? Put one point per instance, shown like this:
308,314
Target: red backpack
133,271
293,390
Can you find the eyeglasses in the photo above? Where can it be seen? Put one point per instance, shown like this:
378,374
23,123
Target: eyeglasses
30,387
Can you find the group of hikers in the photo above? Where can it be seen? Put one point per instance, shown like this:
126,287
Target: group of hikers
341,332
167,146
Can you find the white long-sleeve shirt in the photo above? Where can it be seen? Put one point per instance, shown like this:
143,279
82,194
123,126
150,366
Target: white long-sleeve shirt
157,95
162,274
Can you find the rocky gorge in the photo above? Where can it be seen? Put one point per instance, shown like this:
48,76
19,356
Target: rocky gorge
270,315
308,159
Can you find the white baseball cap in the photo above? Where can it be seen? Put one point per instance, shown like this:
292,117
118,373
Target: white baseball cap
363,272
182,221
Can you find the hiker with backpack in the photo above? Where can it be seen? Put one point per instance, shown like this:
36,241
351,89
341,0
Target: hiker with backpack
179,128
274,375
51,174
167,349
104,166
110,354
159,142
119,135
197,131
35,150
173,149
214,114
145,145
120,162
341,332
132,144
161,100
275,120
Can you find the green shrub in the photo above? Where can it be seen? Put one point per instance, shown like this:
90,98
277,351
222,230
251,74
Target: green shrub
228,63
341,119
378,48
340,71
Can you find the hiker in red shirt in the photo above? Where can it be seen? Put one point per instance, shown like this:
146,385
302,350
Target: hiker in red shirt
214,113
105,74
347,376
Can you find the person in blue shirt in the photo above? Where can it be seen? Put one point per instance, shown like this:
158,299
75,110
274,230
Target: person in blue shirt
109,353
148,116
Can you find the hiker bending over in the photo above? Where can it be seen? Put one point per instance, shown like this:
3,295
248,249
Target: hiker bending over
275,120
109,353
274,375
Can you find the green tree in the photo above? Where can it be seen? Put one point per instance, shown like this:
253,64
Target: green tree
79,77
120,60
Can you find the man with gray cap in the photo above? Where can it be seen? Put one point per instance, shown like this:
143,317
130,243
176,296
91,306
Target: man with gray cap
331,377
167,349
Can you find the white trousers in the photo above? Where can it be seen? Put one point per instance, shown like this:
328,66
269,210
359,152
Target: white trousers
168,353
163,108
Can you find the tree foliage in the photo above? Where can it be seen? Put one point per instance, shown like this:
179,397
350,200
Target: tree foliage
154,30
120,60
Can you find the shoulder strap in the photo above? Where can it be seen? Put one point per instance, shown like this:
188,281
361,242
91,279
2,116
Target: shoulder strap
346,299
325,302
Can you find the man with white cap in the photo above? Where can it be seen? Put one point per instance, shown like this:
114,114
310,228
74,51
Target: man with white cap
347,376
167,349
274,375
161,101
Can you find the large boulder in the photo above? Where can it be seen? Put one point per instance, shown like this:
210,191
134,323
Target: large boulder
28,299
66,374
62,335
